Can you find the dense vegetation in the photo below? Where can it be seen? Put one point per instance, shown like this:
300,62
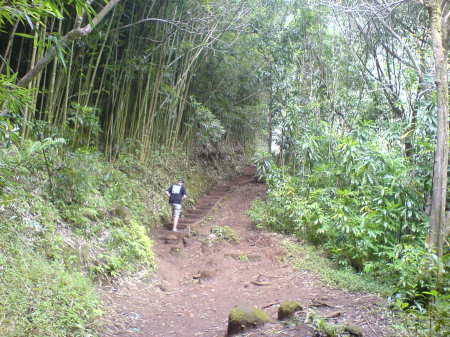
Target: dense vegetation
84,220
353,116
102,103
99,113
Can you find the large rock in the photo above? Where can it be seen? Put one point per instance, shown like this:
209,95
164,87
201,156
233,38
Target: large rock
241,319
288,308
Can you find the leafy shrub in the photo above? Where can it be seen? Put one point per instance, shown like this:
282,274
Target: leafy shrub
13,99
209,129
264,164
84,125
359,200
128,248
438,311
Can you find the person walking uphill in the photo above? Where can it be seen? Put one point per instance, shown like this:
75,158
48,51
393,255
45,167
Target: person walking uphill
176,194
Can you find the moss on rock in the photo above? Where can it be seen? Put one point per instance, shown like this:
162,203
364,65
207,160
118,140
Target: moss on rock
353,330
332,330
225,233
288,308
241,319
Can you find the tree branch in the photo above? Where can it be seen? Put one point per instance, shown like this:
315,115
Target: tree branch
405,47
171,22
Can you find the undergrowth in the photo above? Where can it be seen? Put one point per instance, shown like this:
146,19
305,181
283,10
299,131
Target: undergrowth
43,298
69,220
307,257
359,201
358,198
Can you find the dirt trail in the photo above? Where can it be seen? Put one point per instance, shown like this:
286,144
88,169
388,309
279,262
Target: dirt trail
199,279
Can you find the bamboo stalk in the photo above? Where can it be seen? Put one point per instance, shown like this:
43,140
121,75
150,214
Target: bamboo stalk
9,46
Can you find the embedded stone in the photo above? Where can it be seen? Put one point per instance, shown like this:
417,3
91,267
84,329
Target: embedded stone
241,319
354,330
288,308
175,251
170,238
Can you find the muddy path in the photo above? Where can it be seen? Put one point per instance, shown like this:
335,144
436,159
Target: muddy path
200,278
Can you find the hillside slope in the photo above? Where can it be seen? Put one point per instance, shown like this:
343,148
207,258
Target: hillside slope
71,220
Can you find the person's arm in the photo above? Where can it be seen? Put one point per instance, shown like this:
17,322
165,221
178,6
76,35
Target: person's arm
168,191
183,190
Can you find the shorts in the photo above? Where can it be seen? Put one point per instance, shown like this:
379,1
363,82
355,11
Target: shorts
176,210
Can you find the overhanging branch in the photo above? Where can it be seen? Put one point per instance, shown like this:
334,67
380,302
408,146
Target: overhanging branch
76,33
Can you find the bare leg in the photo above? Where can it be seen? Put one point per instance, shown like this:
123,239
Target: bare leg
175,223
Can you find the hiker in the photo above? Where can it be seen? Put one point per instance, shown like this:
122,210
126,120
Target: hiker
176,194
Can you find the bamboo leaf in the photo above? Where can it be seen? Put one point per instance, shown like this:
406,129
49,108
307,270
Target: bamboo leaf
54,9
27,36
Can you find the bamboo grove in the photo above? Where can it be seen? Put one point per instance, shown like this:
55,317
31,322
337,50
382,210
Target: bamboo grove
127,84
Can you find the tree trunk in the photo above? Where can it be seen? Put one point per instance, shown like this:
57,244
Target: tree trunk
270,118
439,193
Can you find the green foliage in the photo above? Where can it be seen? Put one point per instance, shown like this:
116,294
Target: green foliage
39,297
358,199
12,100
24,11
430,314
35,13
209,129
8,131
34,155
438,313
264,164
127,247
12,97
89,195
362,201
229,85
83,125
